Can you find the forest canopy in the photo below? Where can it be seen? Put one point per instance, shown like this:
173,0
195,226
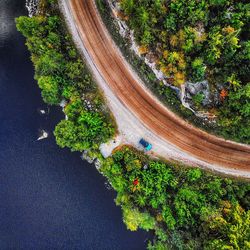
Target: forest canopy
186,207
199,40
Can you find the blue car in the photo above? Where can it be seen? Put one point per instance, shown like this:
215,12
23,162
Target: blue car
145,144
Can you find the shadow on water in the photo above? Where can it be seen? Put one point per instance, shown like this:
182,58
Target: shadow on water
50,198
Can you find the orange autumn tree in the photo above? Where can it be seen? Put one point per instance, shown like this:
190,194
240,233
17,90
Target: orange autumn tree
223,94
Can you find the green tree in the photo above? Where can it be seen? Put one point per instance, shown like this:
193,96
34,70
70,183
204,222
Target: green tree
134,219
66,134
215,45
229,230
194,174
128,6
30,27
50,89
235,119
198,69
168,217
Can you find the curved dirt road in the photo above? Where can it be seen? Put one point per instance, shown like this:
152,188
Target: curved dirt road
143,104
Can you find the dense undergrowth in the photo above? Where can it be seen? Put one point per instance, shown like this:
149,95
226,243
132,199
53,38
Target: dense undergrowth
196,41
185,207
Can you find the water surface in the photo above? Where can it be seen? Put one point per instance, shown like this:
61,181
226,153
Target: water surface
49,197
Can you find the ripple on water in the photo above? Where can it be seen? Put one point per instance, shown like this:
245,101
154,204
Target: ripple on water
6,23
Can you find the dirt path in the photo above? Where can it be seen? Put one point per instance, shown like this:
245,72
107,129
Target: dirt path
168,130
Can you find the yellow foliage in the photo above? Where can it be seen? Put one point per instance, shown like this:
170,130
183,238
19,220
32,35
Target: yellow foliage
137,164
168,68
199,38
179,78
173,40
234,41
131,218
217,222
226,204
182,64
164,70
159,217
174,70
176,55
181,55
233,81
157,61
226,211
164,9
132,226
129,167
165,54
228,29
143,50
181,35
122,198
163,36
121,16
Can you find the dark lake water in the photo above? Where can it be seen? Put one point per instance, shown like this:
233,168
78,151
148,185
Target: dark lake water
49,197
